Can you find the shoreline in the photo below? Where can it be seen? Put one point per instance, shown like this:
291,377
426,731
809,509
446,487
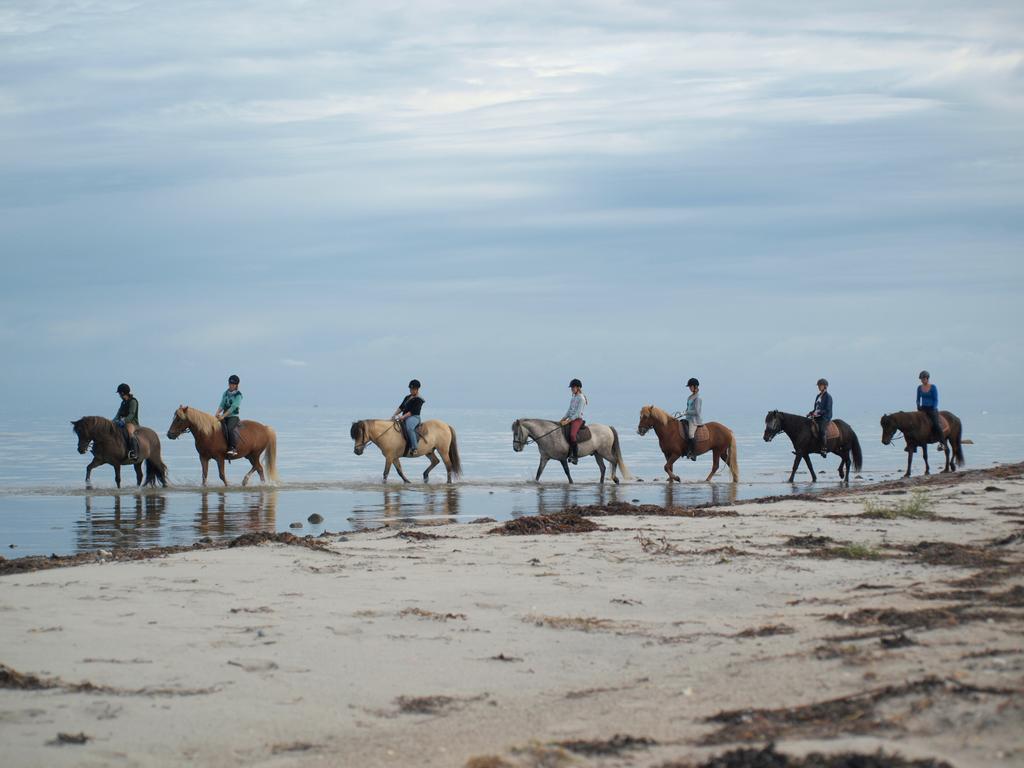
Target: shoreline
856,619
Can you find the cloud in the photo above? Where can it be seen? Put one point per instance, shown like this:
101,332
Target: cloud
288,362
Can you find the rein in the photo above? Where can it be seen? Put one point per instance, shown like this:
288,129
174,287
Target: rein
530,438
392,426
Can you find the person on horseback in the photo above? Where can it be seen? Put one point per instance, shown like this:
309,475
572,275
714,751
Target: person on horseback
574,418
127,418
691,419
928,403
408,415
227,413
822,414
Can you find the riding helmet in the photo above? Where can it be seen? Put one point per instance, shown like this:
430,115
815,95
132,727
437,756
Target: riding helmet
233,379
693,383
924,375
124,389
576,383
414,384
822,381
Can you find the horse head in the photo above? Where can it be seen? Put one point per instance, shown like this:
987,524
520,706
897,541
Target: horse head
357,433
519,436
889,428
646,420
772,425
180,423
84,438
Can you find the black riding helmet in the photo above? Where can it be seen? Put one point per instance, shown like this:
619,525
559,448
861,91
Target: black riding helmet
822,381
233,379
124,389
693,383
576,383
414,384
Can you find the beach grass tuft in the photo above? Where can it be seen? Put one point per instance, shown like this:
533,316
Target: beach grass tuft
917,507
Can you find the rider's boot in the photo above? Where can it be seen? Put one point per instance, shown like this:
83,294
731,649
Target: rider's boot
133,448
574,456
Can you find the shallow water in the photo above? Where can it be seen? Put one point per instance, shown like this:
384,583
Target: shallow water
45,508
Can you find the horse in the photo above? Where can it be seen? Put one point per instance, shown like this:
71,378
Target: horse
917,429
805,442
253,439
109,447
436,438
549,436
721,442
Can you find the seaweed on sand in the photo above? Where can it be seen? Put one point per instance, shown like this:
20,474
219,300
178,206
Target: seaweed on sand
558,522
767,757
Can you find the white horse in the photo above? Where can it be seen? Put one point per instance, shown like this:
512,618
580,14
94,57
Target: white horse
549,436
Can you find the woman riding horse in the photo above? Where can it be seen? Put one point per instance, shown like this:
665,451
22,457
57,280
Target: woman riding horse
574,418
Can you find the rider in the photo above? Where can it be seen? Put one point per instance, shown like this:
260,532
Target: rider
408,415
574,417
691,419
928,402
127,418
227,413
822,414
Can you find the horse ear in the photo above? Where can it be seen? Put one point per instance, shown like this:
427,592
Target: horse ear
184,409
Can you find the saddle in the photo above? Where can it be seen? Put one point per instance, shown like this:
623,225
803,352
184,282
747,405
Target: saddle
831,431
581,437
701,437
944,423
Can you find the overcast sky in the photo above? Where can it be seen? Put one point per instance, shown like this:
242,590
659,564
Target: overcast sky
330,198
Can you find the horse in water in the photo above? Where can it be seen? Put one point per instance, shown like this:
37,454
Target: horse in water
917,429
253,439
109,447
842,443
602,443
436,438
715,437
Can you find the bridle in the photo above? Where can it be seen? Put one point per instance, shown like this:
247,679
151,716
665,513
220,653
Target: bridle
364,431
518,444
775,428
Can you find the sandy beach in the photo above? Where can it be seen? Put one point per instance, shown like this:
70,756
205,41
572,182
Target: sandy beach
889,617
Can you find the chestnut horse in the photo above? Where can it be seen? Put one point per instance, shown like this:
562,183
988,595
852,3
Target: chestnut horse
108,447
436,437
722,442
917,429
253,439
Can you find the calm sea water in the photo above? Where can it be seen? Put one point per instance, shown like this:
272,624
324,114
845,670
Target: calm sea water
45,508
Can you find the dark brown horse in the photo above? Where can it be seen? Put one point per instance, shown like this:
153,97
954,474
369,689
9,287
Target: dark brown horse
805,442
917,430
253,439
109,447
721,442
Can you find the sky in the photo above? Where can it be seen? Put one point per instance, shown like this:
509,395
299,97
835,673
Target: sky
331,198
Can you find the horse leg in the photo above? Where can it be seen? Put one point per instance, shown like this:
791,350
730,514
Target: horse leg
565,466
600,464
204,462
434,461
88,471
220,469
540,467
117,474
398,466
910,458
253,468
945,450
714,465
924,455
138,474
670,460
810,468
387,468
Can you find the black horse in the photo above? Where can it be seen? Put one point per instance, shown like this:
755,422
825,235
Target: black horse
108,447
917,429
805,442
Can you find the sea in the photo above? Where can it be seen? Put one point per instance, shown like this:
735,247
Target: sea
46,509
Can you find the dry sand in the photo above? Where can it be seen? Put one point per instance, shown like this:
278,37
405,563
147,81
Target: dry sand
452,646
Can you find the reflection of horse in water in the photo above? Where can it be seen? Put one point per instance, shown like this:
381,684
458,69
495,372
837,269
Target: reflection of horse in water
410,506
255,511
121,521
254,439
109,447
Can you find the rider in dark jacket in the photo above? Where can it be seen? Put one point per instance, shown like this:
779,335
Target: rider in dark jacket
822,414
127,418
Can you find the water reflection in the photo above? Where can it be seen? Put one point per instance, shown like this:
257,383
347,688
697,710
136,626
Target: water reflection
223,516
690,494
120,521
407,505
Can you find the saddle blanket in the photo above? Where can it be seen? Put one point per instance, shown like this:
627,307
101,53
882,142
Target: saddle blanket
701,437
581,437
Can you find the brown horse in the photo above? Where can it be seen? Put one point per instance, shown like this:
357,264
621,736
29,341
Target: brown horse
917,429
109,447
721,442
436,437
253,439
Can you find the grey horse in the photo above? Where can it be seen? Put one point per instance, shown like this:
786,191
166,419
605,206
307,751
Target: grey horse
552,444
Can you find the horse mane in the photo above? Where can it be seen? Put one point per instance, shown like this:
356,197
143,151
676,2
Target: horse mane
206,423
356,431
659,414
94,424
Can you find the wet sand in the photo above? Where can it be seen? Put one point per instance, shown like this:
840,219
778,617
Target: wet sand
888,617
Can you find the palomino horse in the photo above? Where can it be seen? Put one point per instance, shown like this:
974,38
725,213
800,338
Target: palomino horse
436,437
917,429
108,447
721,441
805,442
253,439
549,436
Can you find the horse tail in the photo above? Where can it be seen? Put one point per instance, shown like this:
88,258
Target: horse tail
453,454
858,457
734,463
156,471
270,454
958,450
617,455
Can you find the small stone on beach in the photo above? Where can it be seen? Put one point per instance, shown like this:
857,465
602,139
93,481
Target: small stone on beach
315,518
295,525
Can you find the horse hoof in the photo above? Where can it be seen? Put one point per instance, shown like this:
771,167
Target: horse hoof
615,480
